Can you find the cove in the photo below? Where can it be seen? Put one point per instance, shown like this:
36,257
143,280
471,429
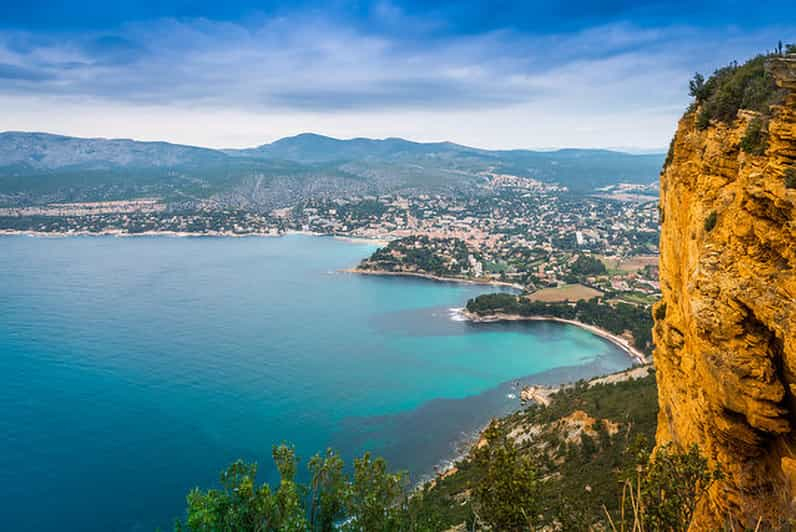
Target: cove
133,369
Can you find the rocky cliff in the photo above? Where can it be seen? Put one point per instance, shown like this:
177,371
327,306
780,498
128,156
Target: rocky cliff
725,330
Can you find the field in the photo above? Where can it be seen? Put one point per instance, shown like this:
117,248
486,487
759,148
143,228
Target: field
570,292
637,263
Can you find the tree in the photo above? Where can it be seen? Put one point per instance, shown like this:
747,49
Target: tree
242,505
375,501
290,511
696,87
587,265
507,497
328,491
671,485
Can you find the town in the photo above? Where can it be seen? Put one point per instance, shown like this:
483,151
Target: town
535,236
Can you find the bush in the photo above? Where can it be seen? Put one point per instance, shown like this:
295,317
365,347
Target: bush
790,176
735,87
710,221
242,505
660,312
587,265
370,499
755,139
668,487
507,498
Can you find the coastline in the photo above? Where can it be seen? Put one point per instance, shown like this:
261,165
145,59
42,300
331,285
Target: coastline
190,234
540,394
124,234
432,277
620,342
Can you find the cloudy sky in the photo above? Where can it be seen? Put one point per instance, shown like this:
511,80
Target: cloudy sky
496,74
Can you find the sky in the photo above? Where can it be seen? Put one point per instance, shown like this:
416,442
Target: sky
491,74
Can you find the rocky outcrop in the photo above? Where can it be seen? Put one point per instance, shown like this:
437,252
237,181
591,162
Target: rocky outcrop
725,330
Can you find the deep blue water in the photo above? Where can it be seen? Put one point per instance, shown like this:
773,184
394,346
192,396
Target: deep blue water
134,369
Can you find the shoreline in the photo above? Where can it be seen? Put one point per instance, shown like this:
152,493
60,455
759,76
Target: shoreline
124,234
432,277
189,234
618,341
539,394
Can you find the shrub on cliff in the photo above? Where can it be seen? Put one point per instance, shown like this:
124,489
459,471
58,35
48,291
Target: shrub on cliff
790,176
732,88
710,221
507,497
755,139
668,486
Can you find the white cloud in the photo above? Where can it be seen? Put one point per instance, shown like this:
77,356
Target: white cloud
224,84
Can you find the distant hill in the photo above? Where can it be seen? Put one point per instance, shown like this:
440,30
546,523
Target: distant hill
40,167
310,147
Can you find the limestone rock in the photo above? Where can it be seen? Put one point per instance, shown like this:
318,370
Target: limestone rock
725,331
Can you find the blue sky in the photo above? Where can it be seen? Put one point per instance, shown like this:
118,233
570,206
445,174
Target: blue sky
491,74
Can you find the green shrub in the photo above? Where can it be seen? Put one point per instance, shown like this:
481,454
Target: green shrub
710,221
790,176
735,87
371,498
670,485
507,497
755,139
703,119
587,265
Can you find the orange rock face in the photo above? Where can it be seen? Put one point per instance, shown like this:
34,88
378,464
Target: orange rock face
725,331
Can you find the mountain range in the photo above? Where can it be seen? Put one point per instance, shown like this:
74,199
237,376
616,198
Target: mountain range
41,167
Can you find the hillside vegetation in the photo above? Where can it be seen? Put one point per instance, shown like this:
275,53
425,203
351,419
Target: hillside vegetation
568,466
39,168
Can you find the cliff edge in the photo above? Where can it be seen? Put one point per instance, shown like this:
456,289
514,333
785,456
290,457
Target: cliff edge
725,330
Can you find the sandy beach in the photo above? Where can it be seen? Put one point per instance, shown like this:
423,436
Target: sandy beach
620,342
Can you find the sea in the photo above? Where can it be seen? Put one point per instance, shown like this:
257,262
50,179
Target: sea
134,369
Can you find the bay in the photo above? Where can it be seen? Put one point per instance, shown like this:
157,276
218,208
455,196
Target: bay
132,369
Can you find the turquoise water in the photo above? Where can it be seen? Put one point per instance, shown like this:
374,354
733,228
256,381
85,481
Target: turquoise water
133,369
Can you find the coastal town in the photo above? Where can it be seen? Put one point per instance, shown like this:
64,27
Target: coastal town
535,236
